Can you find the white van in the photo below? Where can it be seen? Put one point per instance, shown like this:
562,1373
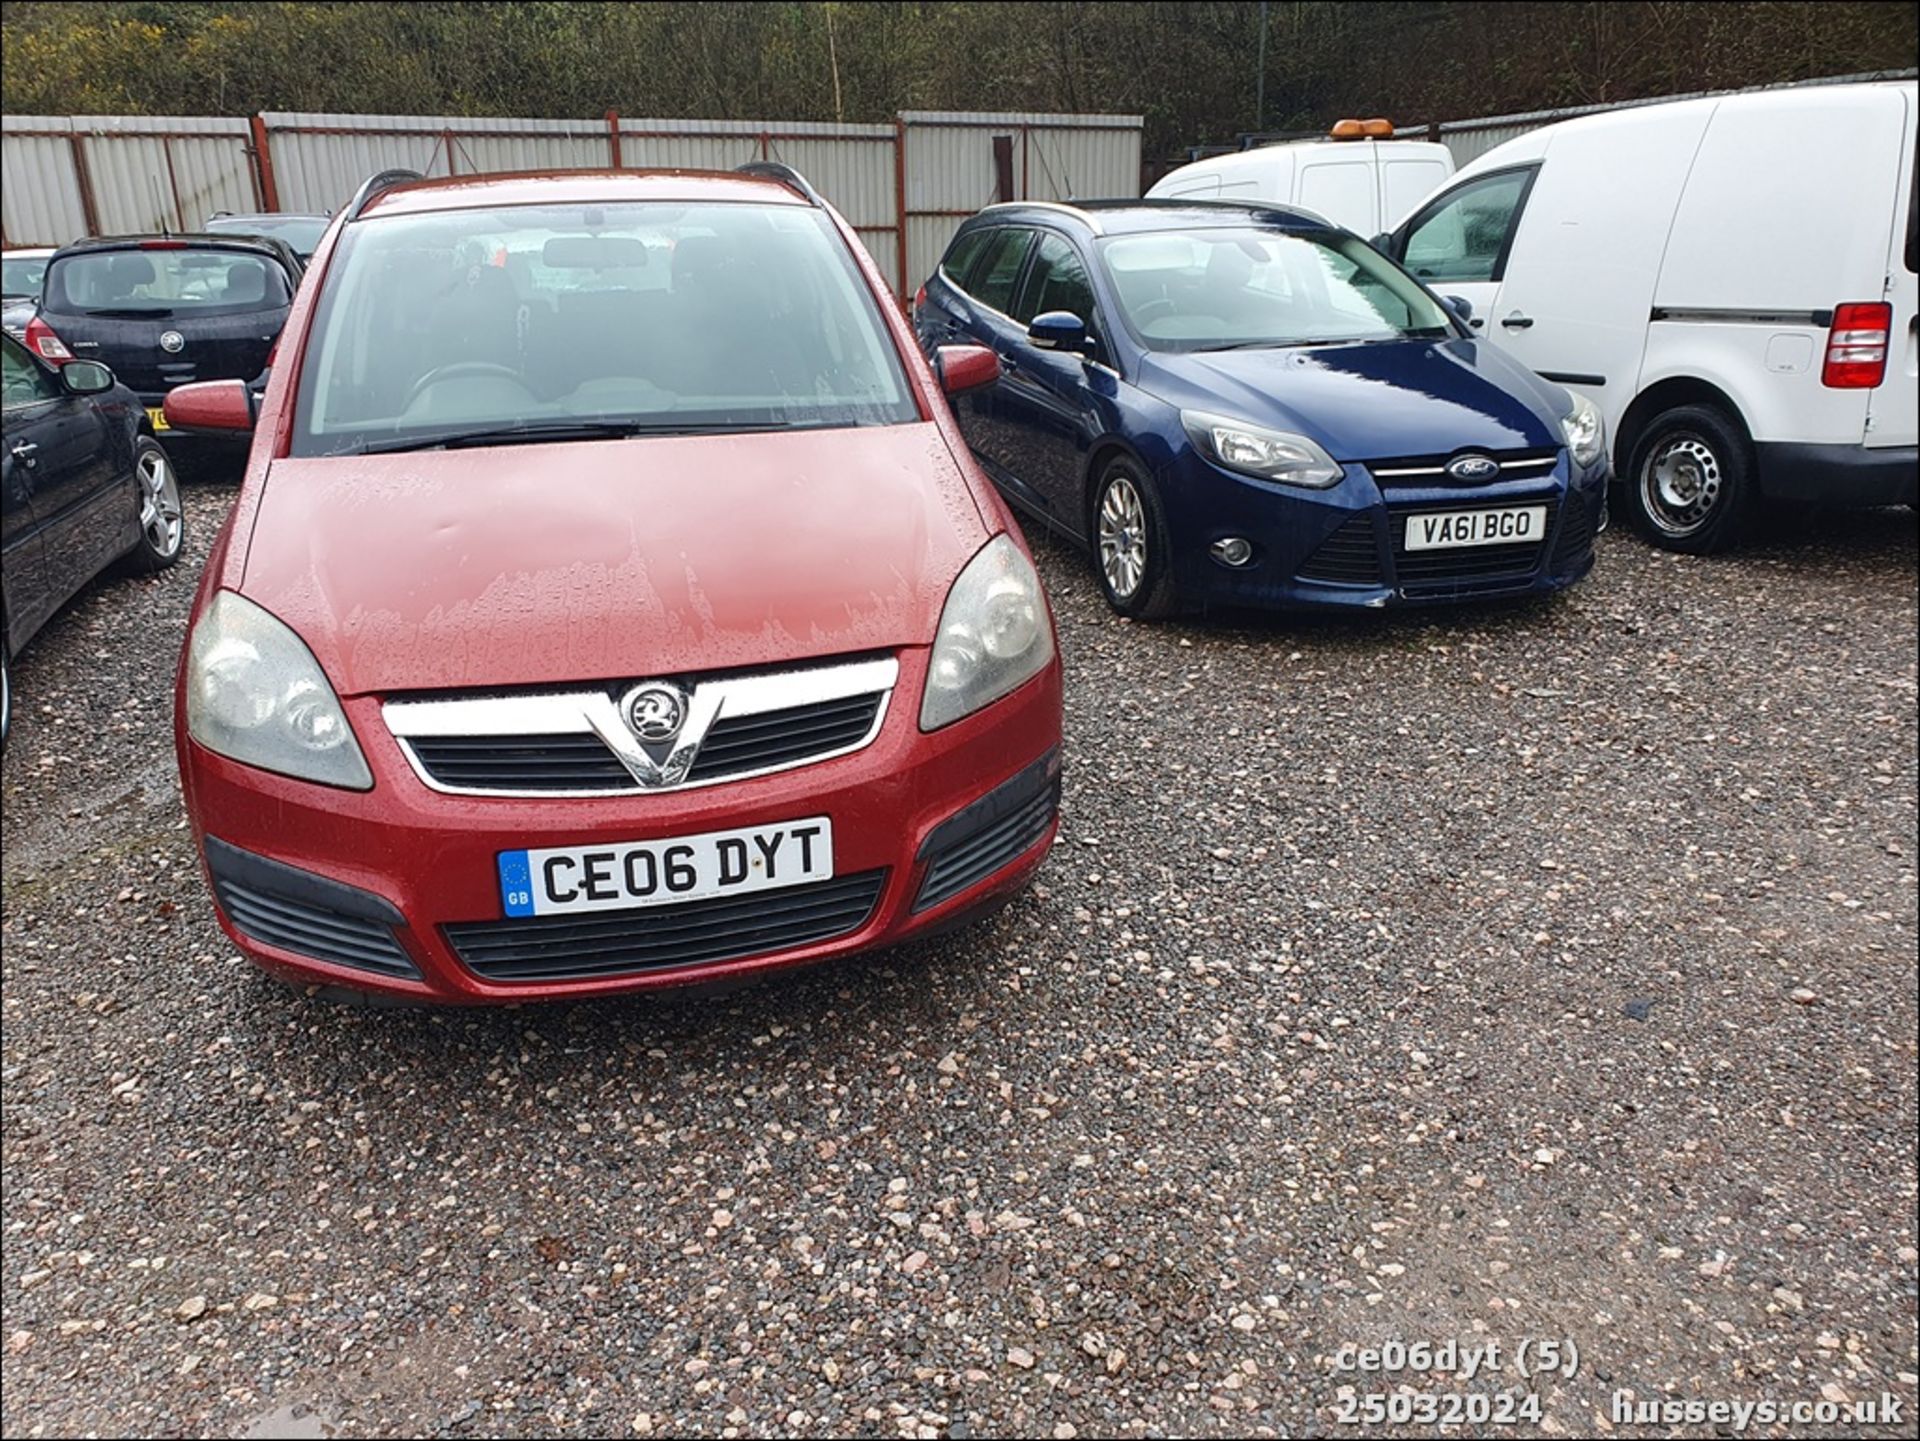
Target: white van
1731,280
1364,184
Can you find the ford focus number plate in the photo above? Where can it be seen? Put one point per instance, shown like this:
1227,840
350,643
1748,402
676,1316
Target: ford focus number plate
622,875
1509,525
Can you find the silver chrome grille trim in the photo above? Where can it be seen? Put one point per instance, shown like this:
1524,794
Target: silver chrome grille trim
597,712
1521,469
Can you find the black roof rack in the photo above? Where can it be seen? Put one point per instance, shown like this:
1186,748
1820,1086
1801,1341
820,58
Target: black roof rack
785,174
375,185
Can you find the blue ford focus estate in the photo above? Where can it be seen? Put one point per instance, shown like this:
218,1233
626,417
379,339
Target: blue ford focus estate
1243,404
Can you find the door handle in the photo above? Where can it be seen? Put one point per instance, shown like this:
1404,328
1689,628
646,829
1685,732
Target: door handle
23,451
1477,323
1517,321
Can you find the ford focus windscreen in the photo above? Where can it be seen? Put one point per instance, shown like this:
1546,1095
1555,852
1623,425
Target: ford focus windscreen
575,321
1234,289
156,281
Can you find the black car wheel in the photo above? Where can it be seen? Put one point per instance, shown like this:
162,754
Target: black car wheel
1130,544
1690,482
161,525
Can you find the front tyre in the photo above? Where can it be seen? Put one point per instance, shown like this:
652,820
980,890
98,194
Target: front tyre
1130,555
1690,483
162,527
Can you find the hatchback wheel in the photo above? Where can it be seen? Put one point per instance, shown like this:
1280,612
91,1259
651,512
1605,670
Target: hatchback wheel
1690,482
161,524
1130,544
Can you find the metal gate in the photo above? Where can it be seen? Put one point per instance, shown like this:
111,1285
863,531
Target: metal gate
904,187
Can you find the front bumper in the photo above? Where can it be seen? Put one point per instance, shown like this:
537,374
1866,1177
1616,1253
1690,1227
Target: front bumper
1341,548
928,830
1843,475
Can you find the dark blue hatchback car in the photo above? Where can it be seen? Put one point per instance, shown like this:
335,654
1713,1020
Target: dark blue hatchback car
1243,404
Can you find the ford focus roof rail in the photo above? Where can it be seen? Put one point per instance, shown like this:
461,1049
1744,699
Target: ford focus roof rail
785,174
375,185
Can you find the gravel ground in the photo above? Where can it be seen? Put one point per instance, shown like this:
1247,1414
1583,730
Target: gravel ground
1505,974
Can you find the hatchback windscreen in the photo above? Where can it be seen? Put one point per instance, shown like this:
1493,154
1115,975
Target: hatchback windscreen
570,321
1243,289
21,275
163,281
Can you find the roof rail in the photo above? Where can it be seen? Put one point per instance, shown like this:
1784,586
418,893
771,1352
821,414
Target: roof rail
375,185
1203,202
1065,207
785,174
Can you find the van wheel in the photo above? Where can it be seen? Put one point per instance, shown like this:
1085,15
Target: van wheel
161,525
1130,544
1690,483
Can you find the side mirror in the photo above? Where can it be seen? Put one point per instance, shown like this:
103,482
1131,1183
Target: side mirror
1383,242
1058,330
1461,307
221,405
965,367
85,377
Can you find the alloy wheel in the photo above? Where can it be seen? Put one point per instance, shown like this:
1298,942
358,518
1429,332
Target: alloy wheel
159,503
1122,537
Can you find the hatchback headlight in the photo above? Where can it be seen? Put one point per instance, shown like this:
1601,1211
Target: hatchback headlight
1586,432
1255,450
255,694
994,634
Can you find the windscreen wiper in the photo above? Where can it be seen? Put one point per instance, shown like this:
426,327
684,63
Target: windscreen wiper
557,432
1264,345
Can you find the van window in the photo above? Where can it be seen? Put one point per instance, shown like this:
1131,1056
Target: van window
994,276
1057,281
1466,233
961,255
1341,190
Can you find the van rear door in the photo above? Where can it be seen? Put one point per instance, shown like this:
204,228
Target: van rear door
1339,184
1891,412
1408,174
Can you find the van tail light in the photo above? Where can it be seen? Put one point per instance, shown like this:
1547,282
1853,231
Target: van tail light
920,297
44,343
1857,345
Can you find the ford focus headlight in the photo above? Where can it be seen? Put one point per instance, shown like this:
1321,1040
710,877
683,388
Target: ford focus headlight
255,694
994,634
1586,432
1255,450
